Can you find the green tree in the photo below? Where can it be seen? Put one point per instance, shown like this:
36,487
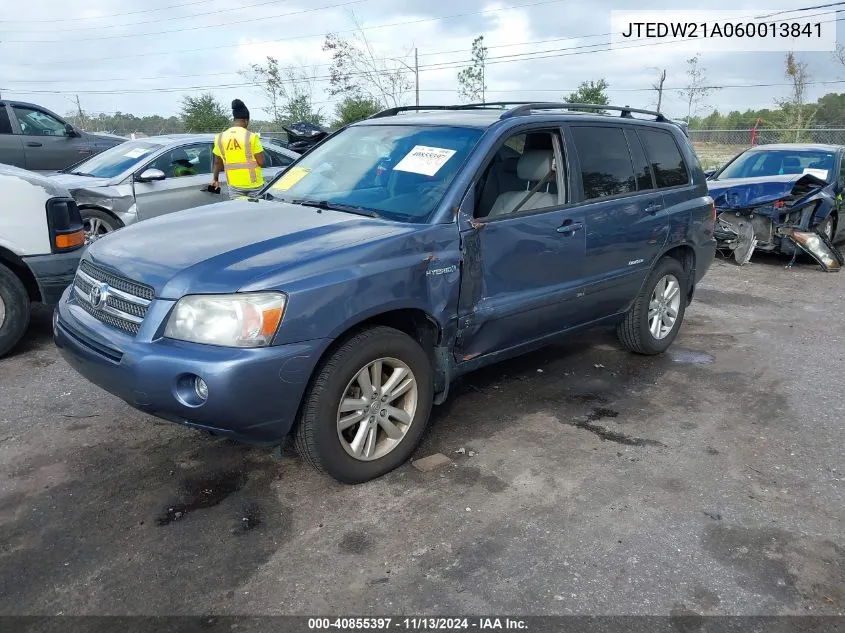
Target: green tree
353,109
300,108
593,92
471,80
203,113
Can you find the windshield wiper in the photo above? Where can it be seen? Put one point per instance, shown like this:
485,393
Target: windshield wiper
80,173
335,206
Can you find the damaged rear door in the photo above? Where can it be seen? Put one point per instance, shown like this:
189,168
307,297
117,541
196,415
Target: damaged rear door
523,252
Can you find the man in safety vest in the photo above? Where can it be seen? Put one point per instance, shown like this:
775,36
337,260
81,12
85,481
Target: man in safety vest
239,152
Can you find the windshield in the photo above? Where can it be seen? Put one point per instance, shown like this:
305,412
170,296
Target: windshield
116,160
755,164
400,172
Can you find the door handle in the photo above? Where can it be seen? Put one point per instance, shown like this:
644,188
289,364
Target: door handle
653,208
33,144
569,227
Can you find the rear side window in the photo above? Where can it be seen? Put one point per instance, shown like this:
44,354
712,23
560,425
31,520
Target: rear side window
666,159
641,168
606,168
5,124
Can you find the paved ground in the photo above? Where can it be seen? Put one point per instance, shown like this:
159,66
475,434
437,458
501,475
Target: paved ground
710,480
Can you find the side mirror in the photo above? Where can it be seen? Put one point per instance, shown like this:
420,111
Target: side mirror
151,175
709,174
70,131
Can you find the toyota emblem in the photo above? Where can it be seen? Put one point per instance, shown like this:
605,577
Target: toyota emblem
98,295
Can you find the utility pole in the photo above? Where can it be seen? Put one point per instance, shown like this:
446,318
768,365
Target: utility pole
417,73
659,88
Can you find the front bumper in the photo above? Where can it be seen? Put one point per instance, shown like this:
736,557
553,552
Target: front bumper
53,273
253,394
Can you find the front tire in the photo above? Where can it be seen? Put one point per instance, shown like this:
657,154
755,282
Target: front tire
828,226
653,321
368,406
14,310
97,224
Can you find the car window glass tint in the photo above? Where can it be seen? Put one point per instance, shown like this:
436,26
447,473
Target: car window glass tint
192,160
641,168
5,124
666,160
606,168
842,171
521,177
37,123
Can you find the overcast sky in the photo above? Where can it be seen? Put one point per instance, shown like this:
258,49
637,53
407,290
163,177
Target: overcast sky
199,45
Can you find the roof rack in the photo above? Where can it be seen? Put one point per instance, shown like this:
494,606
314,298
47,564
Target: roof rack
625,111
518,108
413,108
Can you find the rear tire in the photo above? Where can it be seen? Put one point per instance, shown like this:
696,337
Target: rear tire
14,310
645,329
328,435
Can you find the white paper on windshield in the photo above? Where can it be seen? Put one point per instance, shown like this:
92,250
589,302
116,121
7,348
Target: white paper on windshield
425,160
135,153
818,173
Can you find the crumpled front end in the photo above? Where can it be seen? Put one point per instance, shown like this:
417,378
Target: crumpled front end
780,217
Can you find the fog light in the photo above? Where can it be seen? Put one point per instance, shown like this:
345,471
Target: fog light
201,388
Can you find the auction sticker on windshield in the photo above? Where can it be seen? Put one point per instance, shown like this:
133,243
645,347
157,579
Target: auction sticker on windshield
136,152
290,178
818,173
424,160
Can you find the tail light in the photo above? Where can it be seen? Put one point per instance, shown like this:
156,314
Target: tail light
67,232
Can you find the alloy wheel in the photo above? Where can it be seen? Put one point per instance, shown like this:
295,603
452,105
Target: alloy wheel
664,306
95,228
377,409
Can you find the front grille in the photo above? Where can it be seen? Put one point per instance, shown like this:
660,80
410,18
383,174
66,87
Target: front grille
126,285
118,302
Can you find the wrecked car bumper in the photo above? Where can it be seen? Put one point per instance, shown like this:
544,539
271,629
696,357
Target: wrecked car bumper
776,215
745,233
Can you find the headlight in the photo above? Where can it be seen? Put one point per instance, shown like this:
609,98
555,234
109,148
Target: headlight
236,320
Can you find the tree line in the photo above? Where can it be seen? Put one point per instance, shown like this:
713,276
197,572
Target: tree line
368,82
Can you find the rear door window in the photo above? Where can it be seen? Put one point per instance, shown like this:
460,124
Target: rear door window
642,171
606,167
668,164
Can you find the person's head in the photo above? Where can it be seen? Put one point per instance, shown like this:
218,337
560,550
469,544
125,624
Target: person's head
240,113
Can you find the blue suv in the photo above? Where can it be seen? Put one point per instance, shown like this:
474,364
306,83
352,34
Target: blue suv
399,253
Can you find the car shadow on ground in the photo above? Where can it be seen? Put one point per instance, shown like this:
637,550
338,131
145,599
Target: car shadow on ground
38,334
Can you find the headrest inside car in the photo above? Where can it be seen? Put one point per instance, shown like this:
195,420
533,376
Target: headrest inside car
534,164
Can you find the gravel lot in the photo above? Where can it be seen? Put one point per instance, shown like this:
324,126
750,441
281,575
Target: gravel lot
710,480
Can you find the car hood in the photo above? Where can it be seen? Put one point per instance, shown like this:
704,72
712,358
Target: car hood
15,176
107,139
73,182
237,245
744,193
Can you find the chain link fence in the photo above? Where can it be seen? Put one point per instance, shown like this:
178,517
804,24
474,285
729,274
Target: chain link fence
716,147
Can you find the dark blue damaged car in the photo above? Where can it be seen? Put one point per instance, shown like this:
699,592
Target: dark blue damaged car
398,254
784,198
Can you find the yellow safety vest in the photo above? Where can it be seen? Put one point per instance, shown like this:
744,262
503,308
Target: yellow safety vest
234,146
